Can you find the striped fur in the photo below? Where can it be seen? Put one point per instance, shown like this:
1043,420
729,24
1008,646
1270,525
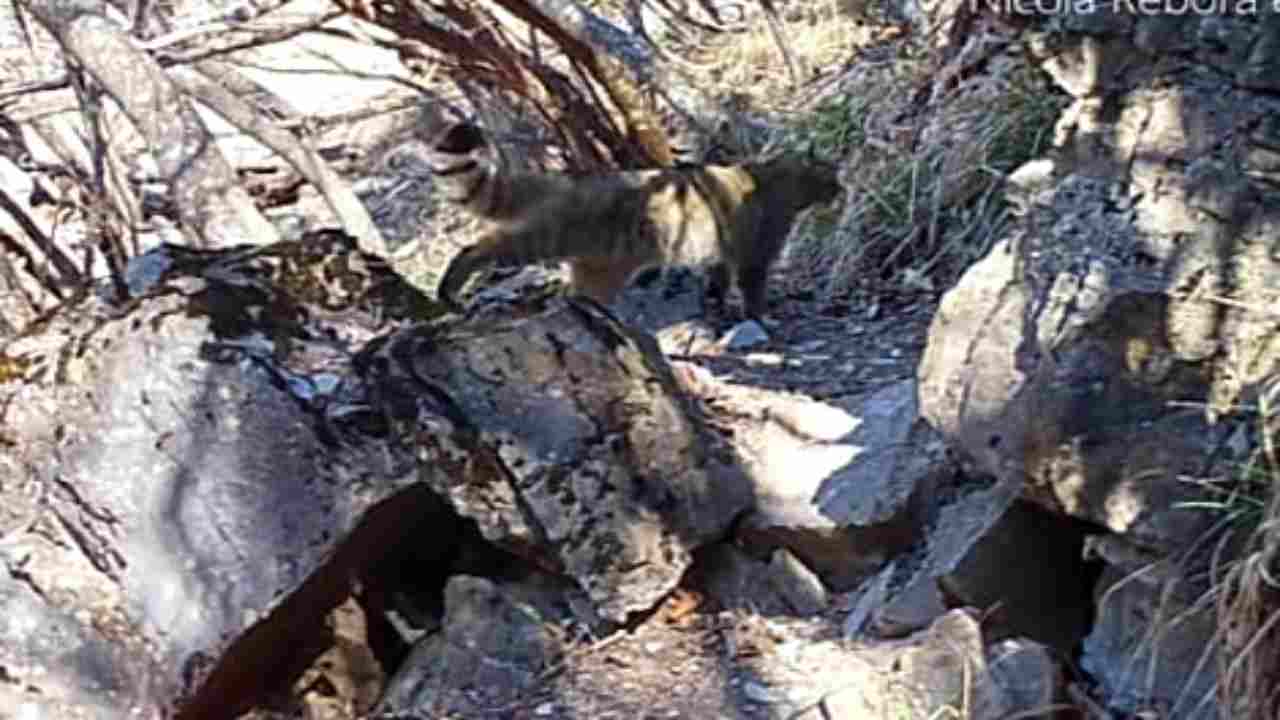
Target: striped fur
726,218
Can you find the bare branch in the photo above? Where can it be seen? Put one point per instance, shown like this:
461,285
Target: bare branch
67,275
106,171
351,212
222,18
211,205
257,39
608,53
775,29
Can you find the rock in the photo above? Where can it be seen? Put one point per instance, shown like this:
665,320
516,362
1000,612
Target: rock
567,439
1026,675
745,335
914,608
191,495
836,484
937,672
494,643
958,527
1057,354
1102,351
58,666
219,459
796,583
1153,642
1063,372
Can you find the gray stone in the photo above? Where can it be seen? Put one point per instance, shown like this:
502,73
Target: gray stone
180,468
1154,643
918,605
934,674
492,640
836,483
1026,673
796,583
745,335
219,459
574,445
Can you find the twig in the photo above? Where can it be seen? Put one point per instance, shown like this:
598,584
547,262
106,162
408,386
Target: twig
66,270
775,29
194,56
1082,699
336,193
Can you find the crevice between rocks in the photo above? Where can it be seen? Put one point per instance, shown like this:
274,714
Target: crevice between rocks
277,649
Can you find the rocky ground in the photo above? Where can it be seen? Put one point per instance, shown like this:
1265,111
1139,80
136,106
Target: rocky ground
691,657
1025,491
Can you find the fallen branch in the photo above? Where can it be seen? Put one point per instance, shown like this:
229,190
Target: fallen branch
213,208
338,195
66,273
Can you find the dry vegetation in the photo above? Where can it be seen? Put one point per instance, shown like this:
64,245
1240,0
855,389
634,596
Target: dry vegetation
1248,594
924,134
925,137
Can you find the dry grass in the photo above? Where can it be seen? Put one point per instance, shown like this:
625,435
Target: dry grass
1249,595
925,178
1246,587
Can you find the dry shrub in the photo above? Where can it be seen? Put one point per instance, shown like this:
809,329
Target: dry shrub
1249,600
925,152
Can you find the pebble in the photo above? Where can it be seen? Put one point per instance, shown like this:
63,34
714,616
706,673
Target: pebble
745,335
756,692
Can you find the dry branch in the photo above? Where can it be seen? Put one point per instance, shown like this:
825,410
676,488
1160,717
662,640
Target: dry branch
775,29
212,206
337,194
107,171
66,274
233,18
476,50
612,58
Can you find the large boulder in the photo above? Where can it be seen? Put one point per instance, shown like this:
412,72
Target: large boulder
1106,350
841,484
194,477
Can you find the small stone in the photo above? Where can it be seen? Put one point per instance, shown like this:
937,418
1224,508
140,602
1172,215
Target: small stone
796,583
745,335
545,709
758,693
